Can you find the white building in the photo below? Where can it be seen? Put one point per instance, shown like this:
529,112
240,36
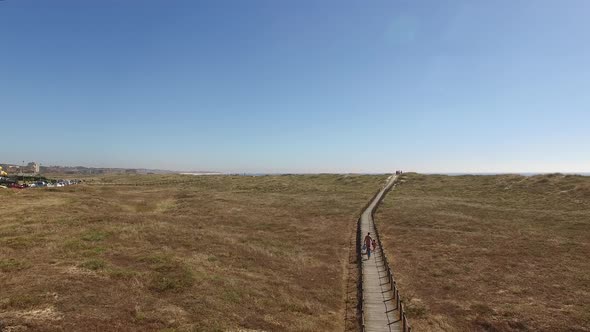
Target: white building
32,167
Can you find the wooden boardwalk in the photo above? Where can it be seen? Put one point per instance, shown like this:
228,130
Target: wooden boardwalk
379,306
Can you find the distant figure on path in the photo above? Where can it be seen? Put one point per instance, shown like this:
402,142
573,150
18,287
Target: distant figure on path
368,243
374,245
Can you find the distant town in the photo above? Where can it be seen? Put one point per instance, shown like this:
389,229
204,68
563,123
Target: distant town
31,168
35,168
33,175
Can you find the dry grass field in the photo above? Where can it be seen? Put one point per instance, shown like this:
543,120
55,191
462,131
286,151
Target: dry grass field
180,253
491,253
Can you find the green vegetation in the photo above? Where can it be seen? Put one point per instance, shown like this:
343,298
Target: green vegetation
11,265
93,264
94,236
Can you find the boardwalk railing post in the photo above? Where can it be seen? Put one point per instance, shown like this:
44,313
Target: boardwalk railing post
404,323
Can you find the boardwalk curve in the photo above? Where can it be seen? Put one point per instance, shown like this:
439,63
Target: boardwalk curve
381,309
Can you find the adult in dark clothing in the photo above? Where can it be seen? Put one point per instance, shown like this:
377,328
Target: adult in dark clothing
368,243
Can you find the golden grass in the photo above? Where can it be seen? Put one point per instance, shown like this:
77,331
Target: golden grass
180,253
491,253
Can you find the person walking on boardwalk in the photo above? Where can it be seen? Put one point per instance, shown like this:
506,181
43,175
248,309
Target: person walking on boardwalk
368,243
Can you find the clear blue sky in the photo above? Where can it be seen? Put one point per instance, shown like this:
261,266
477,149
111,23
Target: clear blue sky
297,86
